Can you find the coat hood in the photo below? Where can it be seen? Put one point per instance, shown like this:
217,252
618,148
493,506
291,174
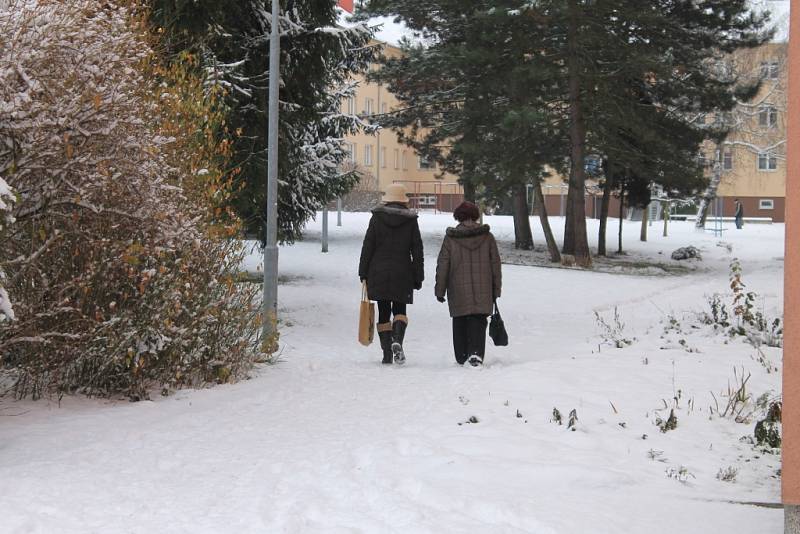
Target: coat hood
469,236
394,215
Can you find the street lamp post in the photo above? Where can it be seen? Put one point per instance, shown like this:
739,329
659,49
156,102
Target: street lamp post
325,229
270,299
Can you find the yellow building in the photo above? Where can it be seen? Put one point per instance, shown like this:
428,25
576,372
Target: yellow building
753,157
382,160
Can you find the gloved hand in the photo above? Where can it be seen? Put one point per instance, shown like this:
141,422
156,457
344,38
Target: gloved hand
417,285
363,279
440,299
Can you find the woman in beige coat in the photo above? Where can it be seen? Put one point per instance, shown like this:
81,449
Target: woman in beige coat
468,273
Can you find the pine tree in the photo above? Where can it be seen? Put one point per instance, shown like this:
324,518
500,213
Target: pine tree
603,46
600,64
319,61
472,98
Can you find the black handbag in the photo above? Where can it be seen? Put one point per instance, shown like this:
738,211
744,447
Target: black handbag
497,329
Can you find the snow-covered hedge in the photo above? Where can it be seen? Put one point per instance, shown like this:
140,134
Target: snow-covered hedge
6,218
120,279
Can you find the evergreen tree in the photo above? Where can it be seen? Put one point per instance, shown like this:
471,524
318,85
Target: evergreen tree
606,70
642,146
471,98
318,64
652,127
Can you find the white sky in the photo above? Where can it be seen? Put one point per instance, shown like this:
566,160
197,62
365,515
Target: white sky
780,15
389,31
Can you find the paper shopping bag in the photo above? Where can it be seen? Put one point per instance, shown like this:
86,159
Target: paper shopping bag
366,318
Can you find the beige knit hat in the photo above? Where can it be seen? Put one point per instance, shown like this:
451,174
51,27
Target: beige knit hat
396,193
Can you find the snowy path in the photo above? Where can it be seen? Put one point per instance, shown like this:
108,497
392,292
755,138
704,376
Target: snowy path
331,441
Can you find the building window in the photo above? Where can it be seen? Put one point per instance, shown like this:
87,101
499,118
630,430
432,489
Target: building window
351,105
767,161
383,157
353,152
727,160
396,158
404,160
368,107
766,204
767,116
770,70
384,108
368,155
425,164
426,201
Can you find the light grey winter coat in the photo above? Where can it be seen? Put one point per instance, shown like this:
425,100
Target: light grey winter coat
468,270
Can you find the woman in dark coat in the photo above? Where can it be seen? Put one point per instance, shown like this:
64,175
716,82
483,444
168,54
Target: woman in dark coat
392,265
468,272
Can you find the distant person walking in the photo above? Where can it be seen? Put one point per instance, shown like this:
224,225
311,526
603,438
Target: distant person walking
739,214
468,273
392,266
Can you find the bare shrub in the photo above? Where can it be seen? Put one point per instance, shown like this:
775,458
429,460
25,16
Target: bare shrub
613,330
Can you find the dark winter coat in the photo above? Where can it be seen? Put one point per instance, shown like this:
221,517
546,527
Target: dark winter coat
468,270
391,256
739,210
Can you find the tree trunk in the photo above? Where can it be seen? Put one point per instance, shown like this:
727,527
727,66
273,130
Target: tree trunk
469,190
468,178
523,237
604,206
621,216
552,247
576,241
568,246
709,194
645,220
666,217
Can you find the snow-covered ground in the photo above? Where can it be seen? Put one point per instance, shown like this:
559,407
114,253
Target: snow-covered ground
329,440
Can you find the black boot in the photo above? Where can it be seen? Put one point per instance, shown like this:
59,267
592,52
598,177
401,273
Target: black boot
476,339
475,360
398,333
385,335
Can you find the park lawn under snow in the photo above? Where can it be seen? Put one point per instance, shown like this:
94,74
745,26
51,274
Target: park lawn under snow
329,440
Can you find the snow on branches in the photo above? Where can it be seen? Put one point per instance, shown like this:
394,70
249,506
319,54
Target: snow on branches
117,284
318,64
6,218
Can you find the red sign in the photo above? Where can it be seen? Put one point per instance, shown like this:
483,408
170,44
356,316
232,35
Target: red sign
347,5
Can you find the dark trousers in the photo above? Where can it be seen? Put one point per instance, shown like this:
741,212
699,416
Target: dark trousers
469,336
387,309
739,222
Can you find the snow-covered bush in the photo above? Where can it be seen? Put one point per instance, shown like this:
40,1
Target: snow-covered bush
120,278
6,218
727,474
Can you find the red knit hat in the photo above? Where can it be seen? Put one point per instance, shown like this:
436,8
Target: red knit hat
467,211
